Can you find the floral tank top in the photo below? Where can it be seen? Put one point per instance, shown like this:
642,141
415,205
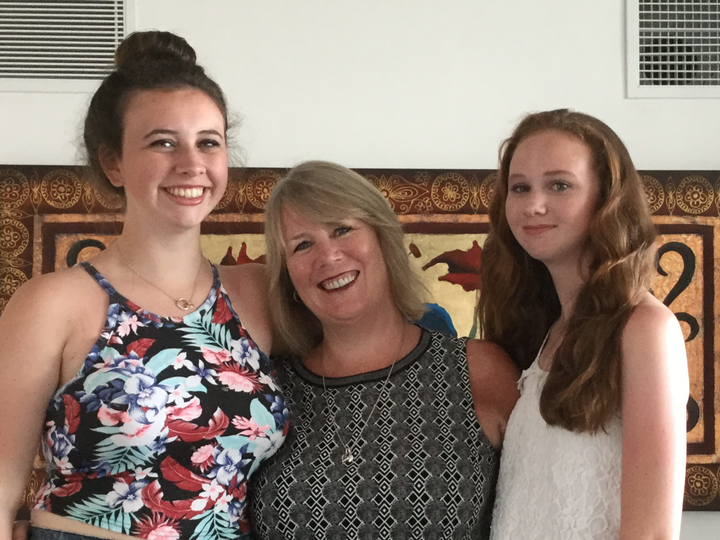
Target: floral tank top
160,430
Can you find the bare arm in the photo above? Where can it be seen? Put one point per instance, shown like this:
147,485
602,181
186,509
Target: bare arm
247,288
32,338
655,392
493,381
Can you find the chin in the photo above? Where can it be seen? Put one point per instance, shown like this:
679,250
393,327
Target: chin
189,223
344,317
540,256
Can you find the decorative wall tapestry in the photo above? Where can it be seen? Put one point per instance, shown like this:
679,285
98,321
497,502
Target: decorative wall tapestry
52,217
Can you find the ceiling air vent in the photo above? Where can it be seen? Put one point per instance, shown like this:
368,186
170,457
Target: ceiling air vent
673,48
59,46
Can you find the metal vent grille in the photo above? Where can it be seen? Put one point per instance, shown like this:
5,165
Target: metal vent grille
59,40
679,42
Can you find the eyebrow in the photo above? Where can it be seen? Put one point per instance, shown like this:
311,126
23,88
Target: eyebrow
546,173
559,171
163,131
296,237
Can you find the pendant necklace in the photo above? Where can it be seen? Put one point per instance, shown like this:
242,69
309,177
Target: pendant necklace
348,457
182,303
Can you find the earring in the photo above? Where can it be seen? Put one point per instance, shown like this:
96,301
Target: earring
296,297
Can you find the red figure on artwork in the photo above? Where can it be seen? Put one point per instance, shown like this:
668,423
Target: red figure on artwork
242,257
463,266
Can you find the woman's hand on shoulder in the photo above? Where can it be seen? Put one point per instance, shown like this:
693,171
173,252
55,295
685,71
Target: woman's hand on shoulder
493,381
654,401
247,287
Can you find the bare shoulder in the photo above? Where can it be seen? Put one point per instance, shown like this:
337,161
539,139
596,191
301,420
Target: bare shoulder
651,312
653,346
49,310
43,316
47,291
491,369
652,325
488,357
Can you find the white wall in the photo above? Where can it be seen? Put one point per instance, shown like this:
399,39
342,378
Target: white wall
400,83
396,83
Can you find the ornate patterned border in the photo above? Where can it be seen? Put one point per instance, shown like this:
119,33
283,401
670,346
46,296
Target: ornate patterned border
26,190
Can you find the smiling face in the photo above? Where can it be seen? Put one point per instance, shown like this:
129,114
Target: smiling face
553,194
337,269
174,157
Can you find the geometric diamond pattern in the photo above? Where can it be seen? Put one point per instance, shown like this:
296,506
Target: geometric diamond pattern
423,468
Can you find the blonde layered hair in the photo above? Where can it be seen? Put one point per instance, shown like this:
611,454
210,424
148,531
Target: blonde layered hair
330,193
518,302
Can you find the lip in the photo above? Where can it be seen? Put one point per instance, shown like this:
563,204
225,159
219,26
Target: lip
339,282
534,230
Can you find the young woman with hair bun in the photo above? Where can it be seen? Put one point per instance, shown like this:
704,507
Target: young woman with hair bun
595,447
143,369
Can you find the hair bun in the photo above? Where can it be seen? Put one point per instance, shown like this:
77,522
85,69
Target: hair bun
153,45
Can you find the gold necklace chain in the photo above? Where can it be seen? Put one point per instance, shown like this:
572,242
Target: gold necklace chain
182,303
348,456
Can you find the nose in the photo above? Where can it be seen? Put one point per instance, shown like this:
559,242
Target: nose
536,204
329,251
189,161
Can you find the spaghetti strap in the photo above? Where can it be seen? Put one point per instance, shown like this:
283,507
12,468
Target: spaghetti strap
119,298
100,279
535,366
543,345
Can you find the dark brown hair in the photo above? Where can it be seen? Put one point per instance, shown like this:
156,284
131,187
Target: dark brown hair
518,302
143,61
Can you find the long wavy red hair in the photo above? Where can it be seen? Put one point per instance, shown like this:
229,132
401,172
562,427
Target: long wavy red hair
518,302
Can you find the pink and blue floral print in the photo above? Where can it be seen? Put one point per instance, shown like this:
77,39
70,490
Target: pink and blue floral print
159,432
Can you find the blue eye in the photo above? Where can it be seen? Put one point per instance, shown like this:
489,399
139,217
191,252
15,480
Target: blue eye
342,230
301,246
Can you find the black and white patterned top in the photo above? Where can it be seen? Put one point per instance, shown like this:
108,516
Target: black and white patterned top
424,467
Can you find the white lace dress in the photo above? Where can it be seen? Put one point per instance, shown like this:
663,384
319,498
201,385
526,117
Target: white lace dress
554,483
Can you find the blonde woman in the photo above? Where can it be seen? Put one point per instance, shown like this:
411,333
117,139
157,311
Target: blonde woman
396,429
